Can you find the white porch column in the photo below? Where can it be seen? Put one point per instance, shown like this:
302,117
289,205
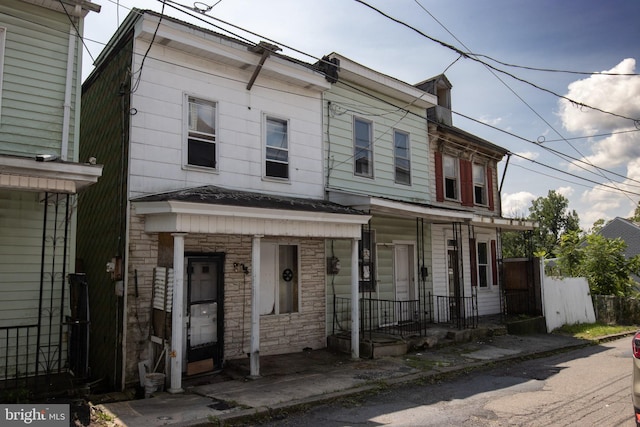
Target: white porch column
177,311
254,361
355,309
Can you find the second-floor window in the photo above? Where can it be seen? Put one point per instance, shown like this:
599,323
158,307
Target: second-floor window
277,152
201,140
479,185
363,148
450,169
402,158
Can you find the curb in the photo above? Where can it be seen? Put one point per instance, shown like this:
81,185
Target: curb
295,405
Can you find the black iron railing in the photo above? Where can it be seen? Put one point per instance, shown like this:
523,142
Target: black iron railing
461,312
17,355
341,314
520,301
392,317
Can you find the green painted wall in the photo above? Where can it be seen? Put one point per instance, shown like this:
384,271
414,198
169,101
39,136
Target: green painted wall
34,78
102,207
341,105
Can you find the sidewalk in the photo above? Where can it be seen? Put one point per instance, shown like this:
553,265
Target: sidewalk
314,376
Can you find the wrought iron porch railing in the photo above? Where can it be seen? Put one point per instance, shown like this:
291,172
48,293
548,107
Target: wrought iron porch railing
17,355
461,312
403,318
520,301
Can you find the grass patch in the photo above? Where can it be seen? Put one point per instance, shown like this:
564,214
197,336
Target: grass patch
591,331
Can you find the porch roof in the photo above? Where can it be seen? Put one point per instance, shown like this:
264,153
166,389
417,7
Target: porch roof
216,210
391,207
429,212
57,176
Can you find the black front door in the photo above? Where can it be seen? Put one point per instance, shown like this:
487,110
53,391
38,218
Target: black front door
205,320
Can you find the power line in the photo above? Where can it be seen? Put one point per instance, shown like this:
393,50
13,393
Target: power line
398,108
76,29
522,100
471,57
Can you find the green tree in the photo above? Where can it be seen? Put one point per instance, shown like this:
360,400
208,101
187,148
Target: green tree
605,266
571,254
636,214
554,219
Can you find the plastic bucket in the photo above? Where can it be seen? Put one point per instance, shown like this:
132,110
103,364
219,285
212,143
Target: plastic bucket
152,383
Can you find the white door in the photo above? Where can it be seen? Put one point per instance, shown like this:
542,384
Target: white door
404,281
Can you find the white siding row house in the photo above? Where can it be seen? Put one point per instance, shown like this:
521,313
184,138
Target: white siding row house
245,193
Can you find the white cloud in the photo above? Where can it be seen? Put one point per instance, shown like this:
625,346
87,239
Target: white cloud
565,191
492,121
517,205
616,94
527,155
615,150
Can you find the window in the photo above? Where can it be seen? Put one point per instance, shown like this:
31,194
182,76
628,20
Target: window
402,158
279,278
277,154
201,142
479,185
483,264
363,148
450,168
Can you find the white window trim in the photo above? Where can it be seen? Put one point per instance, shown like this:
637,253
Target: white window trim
370,123
185,134
486,240
456,162
408,158
265,117
485,193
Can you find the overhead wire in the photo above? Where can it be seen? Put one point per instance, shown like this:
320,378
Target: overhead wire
468,55
522,100
397,107
76,29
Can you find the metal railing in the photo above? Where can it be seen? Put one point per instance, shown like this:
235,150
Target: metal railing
519,301
461,312
341,314
403,318
17,355
390,317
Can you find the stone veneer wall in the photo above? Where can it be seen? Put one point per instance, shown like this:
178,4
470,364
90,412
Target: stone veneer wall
279,334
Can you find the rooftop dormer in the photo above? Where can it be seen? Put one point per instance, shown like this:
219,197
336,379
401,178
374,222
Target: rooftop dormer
441,87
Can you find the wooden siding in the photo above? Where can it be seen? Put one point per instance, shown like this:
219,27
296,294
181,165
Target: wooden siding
33,87
387,231
488,299
158,128
102,210
20,267
347,104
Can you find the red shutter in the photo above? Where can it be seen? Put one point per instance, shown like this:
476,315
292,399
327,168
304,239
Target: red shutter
466,182
473,262
490,188
494,263
439,178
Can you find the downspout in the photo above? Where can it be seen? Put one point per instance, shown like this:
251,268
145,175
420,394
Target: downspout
504,174
66,113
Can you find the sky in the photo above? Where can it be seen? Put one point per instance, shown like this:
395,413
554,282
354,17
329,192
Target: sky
554,82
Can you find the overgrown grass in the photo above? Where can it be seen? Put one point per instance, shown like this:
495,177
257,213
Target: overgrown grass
590,331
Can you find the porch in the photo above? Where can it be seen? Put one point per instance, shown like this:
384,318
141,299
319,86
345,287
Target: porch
392,328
